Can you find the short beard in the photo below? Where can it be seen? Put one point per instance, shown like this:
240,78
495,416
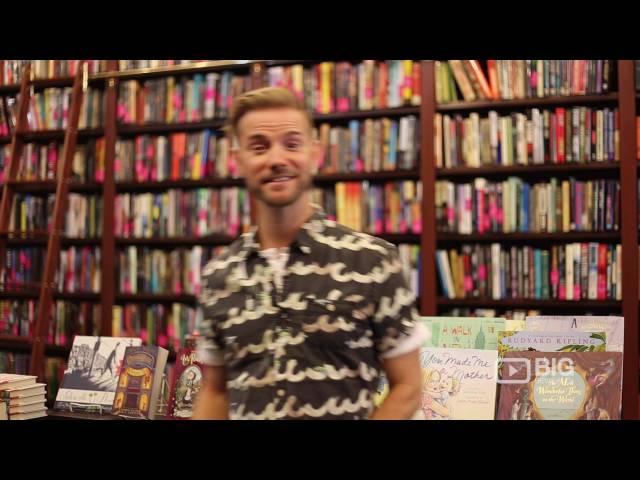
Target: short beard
304,185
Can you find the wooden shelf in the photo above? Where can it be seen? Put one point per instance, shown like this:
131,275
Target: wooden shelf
367,176
131,187
399,237
39,84
174,70
65,241
35,294
155,298
159,128
56,415
578,305
209,240
49,186
17,343
45,135
528,102
518,237
373,113
564,169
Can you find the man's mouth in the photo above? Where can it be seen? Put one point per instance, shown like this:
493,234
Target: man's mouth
279,179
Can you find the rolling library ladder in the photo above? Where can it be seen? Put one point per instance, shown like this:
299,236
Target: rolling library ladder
55,228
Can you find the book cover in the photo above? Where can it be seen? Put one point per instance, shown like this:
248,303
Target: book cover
613,326
91,377
458,384
187,379
140,382
560,386
464,332
572,341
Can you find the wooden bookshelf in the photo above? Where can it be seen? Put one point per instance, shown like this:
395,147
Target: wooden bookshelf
430,302
625,169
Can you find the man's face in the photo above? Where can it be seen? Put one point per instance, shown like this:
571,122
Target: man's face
276,155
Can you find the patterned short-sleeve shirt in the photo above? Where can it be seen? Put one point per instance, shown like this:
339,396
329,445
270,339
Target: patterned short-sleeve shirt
311,349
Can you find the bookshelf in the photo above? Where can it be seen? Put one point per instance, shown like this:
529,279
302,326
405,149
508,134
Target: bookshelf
624,170
430,300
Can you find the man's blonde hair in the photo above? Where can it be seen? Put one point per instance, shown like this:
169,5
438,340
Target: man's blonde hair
260,99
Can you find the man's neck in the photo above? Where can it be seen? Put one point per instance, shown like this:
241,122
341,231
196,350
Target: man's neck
278,227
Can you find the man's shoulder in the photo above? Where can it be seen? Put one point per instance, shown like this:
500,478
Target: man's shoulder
360,242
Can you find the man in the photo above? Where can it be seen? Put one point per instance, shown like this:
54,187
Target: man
301,315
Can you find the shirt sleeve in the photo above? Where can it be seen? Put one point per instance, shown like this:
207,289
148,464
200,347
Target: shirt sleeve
395,318
209,348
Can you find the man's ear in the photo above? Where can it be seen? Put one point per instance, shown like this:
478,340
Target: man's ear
317,156
234,156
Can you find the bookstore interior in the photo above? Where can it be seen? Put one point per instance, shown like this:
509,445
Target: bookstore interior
500,182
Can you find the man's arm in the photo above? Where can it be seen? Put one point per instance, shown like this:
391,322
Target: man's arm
212,402
404,376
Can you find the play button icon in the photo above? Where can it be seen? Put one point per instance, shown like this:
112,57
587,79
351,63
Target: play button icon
515,370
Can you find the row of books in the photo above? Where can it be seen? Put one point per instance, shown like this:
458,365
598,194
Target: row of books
78,271
11,72
575,271
138,64
43,161
18,363
83,215
180,99
21,398
563,135
391,207
146,270
516,314
8,112
518,206
18,318
167,326
130,377
50,109
329,87
370,145
182,213
173,157
515,79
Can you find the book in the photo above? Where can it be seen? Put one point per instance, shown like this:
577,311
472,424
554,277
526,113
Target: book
613,326
187,381
24,409
548,341
91,377
10,381
140,382
29,415
458,383
470,333
22,392
561,386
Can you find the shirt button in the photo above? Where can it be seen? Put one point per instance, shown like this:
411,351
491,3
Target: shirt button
280,392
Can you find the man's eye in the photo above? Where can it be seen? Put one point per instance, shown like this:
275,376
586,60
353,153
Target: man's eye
293,145
259,148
